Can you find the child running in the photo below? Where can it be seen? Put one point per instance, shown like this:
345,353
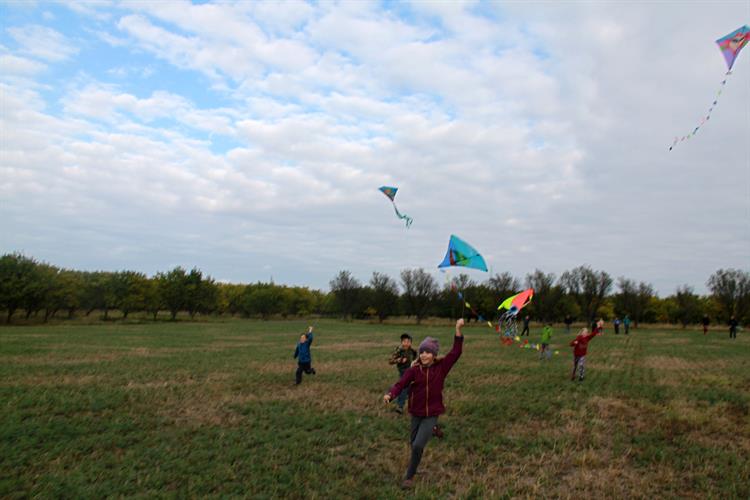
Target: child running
426,380
402,357
580,345
303,355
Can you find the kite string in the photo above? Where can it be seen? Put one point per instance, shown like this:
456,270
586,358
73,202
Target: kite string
708,115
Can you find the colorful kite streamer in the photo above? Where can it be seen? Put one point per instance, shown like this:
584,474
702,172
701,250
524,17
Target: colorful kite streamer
730,47
390,192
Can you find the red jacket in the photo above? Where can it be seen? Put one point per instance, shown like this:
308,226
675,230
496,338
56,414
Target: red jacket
426,383
581,343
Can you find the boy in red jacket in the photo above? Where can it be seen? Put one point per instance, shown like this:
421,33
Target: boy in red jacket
580,345
425,379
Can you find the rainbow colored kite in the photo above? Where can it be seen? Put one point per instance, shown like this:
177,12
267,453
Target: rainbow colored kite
462,254
390,192
730,47
517,302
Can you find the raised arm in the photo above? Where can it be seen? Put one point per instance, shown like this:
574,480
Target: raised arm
455,352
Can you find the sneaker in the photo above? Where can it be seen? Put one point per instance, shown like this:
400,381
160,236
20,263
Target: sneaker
580,379
407,484
399,410
437,432
312,371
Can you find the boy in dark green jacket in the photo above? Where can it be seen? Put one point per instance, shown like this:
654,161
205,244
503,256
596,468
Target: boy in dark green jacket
402,357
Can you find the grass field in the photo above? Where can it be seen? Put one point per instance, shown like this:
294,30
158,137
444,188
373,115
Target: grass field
209,409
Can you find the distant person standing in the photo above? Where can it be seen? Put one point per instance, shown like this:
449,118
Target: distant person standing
626,324
617,326
705,322
568,322
733,323
525,325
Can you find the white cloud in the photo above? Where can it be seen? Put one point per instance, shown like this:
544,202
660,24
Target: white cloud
539,135
43,42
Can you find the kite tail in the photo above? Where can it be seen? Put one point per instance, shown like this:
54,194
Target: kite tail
705,118
405,217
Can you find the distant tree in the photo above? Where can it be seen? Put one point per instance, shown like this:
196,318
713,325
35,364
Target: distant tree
587,287
153,301
264,299
345,288
173,290
731,291
129,288
546,295
420,290
384,296
18,278
687,306
503,285
634,299
230,298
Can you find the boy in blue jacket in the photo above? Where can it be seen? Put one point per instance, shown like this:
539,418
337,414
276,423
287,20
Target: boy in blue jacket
303,355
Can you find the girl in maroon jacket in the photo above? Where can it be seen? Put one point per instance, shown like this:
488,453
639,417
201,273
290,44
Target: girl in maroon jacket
580,346
425,379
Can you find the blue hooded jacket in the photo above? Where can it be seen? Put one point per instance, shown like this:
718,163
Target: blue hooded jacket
302,351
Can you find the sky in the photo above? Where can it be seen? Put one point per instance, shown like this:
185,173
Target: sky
249,139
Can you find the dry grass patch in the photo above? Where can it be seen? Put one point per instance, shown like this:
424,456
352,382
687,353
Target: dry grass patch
53,380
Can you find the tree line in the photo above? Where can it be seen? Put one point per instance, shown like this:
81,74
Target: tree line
29,287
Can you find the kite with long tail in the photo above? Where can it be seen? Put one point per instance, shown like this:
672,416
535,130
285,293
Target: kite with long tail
730,46
390,192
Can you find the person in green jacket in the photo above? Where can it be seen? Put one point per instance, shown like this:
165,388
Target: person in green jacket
626,324
546,352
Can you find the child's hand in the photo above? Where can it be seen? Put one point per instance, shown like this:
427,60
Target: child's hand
459,324
309,329
387,398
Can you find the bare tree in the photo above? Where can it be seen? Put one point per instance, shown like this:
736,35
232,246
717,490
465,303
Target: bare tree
345,288
419,291
384,295
587,287
633,299
731,289
546,294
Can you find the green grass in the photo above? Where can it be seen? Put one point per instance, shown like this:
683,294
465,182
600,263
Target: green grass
209,409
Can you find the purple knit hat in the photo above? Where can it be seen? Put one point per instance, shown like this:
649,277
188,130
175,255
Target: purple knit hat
430,344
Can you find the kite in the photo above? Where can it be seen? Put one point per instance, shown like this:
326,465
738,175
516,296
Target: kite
730,46
390,192
518,301
462,254
513,304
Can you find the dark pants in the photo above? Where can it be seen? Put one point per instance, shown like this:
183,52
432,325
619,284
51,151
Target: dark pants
525,330
303,367
617,329
421,432
627,329
405,393
733,332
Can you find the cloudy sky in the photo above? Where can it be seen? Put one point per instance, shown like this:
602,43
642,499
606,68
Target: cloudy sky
249,139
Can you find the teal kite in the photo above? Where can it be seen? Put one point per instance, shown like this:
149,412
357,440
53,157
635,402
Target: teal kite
390,192
730,46
462,254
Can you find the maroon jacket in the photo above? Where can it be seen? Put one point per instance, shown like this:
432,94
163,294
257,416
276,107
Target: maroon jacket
426,383
581,343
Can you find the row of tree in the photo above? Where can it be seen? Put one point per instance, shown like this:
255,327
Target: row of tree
31,288
581,293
